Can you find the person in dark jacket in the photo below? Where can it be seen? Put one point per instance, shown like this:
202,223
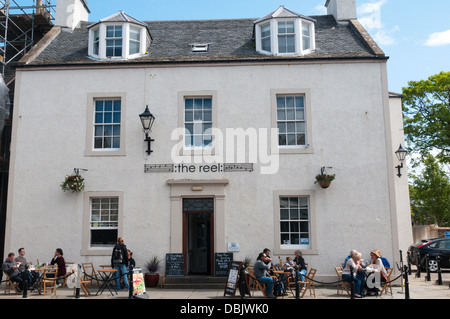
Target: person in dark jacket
11,267
119,261
300,262
58,259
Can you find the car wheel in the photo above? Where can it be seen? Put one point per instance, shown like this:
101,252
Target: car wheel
432,265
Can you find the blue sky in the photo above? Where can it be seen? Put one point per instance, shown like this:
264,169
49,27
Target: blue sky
415,34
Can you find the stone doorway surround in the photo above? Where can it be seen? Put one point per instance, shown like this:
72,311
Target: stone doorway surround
187,188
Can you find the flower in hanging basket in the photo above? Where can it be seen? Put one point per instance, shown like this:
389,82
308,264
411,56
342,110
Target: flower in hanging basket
324,180
74,183
323,177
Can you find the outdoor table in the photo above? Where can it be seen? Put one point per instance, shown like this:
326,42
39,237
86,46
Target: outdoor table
106,275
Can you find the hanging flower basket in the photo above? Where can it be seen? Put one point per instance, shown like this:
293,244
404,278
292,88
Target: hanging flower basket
74,183
324,180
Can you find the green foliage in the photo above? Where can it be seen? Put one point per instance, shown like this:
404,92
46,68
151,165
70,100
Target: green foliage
426,110
430,195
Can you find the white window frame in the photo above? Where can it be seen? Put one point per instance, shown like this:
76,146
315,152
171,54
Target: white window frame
274,35
286,35
114,39
263,38
308,148
281,249
90,125
87,249
189,151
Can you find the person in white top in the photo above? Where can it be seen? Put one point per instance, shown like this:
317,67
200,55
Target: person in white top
377,264
354,263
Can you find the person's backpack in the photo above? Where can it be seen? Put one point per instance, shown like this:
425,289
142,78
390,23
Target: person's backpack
278,289
117,254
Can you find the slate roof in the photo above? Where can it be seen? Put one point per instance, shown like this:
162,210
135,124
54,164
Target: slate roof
230,41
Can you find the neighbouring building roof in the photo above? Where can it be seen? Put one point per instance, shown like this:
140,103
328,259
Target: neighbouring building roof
229,41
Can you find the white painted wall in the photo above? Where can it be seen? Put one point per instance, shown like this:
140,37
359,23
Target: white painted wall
349,134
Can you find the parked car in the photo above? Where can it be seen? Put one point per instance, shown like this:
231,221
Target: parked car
433,247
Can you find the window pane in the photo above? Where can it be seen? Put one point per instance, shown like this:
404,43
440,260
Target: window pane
281,115
282,41
282,127
189,116
265,31
207,116
290,46
207,104
189,104
306,43
301,139
282,139
134,47
294,214
265,44
135,34
284,202
284,214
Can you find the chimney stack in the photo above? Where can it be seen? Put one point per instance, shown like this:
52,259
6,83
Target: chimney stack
69,13
342,10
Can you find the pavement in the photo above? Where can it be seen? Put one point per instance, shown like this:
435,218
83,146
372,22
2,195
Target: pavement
419,288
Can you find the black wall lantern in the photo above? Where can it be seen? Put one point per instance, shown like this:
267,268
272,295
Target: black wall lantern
401,155
147,120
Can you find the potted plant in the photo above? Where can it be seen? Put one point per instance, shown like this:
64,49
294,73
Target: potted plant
74,183
152,277
324,180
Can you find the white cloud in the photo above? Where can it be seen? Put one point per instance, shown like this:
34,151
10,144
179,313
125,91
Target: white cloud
370,14
438,39
383,38
370,7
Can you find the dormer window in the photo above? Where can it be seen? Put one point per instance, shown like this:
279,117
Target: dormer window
119,37
285,33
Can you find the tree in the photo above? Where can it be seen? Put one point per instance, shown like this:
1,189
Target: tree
430,195
426,110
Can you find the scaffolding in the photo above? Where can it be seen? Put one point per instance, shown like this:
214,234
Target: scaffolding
22,24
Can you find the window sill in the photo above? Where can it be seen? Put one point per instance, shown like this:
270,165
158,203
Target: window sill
295,150
105,153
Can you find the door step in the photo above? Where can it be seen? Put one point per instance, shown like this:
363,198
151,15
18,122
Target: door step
194,282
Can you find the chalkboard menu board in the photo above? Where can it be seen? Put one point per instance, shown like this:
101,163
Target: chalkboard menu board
232,278
175,265
221,263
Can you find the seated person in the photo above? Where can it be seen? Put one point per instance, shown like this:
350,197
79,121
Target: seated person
377,263
300,262
355,263
386,263
11,267
348,257
58,259
260,268
289,265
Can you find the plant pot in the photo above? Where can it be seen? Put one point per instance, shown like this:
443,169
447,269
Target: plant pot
151,280
324,184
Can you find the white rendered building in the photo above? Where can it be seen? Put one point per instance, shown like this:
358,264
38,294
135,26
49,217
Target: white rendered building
247,113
